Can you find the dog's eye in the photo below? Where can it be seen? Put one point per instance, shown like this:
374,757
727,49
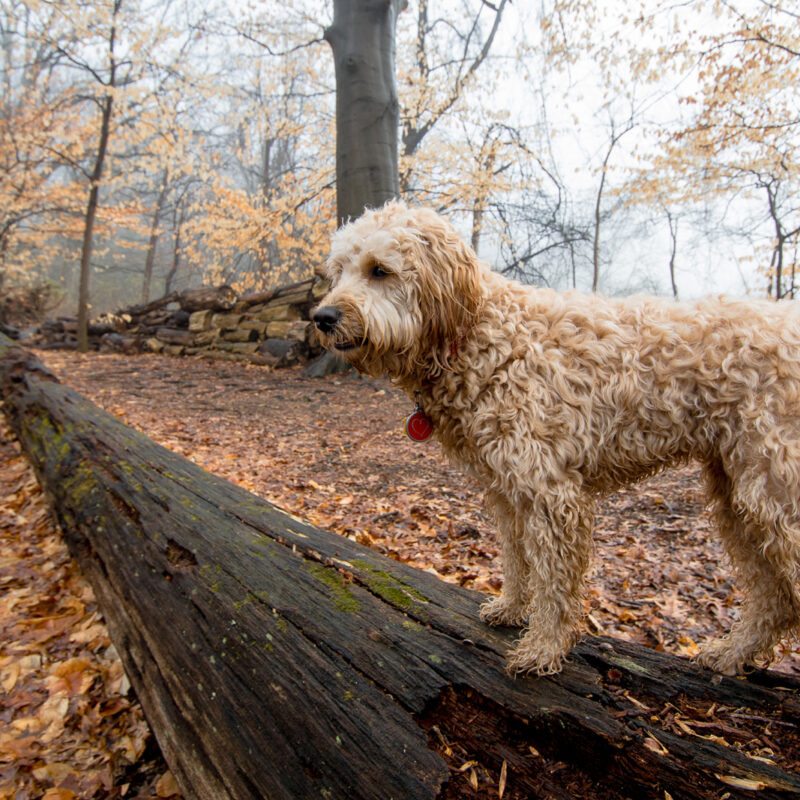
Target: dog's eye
379,272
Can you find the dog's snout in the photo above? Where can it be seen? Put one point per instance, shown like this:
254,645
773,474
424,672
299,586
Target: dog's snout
326,318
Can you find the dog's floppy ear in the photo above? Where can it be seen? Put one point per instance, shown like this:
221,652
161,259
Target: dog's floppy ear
449,284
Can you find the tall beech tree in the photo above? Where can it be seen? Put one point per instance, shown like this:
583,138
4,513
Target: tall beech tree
362,37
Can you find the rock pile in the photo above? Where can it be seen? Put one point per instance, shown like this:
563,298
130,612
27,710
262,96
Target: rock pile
269,328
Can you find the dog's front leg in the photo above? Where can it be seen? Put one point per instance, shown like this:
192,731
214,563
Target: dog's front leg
556,539
511,608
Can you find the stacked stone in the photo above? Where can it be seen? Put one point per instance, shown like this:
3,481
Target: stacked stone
270,328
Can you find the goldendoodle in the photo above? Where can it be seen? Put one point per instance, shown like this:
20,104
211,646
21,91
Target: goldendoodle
551,398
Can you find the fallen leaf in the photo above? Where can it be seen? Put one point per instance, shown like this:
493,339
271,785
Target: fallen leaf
501,783
52,715
742,783
167,786
652,744
9,676
53,773
71,677
59,794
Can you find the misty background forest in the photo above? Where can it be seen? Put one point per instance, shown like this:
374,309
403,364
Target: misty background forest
594,144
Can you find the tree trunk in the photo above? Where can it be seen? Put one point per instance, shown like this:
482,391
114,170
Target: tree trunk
598,217
274,659
362,38
88,225
673,252
150,258
106,108
597,221
4,239
178,219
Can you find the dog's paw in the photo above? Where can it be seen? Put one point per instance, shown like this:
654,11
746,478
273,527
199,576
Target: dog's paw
498,611
534,659
722,657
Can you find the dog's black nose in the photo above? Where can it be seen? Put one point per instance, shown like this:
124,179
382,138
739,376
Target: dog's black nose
326,318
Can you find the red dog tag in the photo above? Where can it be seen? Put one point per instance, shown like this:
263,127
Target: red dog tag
418,426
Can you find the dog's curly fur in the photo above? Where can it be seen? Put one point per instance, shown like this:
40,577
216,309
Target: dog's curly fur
551,398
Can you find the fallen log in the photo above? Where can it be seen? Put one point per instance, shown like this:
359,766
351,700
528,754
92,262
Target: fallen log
302,289
275,659
177,336
117,343
141,309
216,298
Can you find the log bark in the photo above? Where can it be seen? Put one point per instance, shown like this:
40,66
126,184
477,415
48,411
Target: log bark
118,343
302,289
274,659
145,308
177,336
217,298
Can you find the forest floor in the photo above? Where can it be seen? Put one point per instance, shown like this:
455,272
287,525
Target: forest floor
331,451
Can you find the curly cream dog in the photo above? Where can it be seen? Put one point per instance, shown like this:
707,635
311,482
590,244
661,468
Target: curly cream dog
550,399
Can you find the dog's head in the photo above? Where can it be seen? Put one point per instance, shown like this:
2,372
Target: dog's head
405,290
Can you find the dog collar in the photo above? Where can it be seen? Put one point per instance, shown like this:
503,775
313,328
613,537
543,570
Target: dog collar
418,424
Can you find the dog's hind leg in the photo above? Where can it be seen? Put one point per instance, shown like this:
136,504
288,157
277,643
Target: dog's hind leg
511,607
763,541
557,539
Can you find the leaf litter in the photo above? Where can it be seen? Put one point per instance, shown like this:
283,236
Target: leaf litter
69,726
331,451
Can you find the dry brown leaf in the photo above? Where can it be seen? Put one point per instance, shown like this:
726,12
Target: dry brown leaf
652,744
59,794
167,786
53,773
14,746
71,677
501,783
742,783
51,715
9,676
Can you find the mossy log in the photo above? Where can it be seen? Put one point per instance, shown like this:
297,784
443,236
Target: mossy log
277,660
